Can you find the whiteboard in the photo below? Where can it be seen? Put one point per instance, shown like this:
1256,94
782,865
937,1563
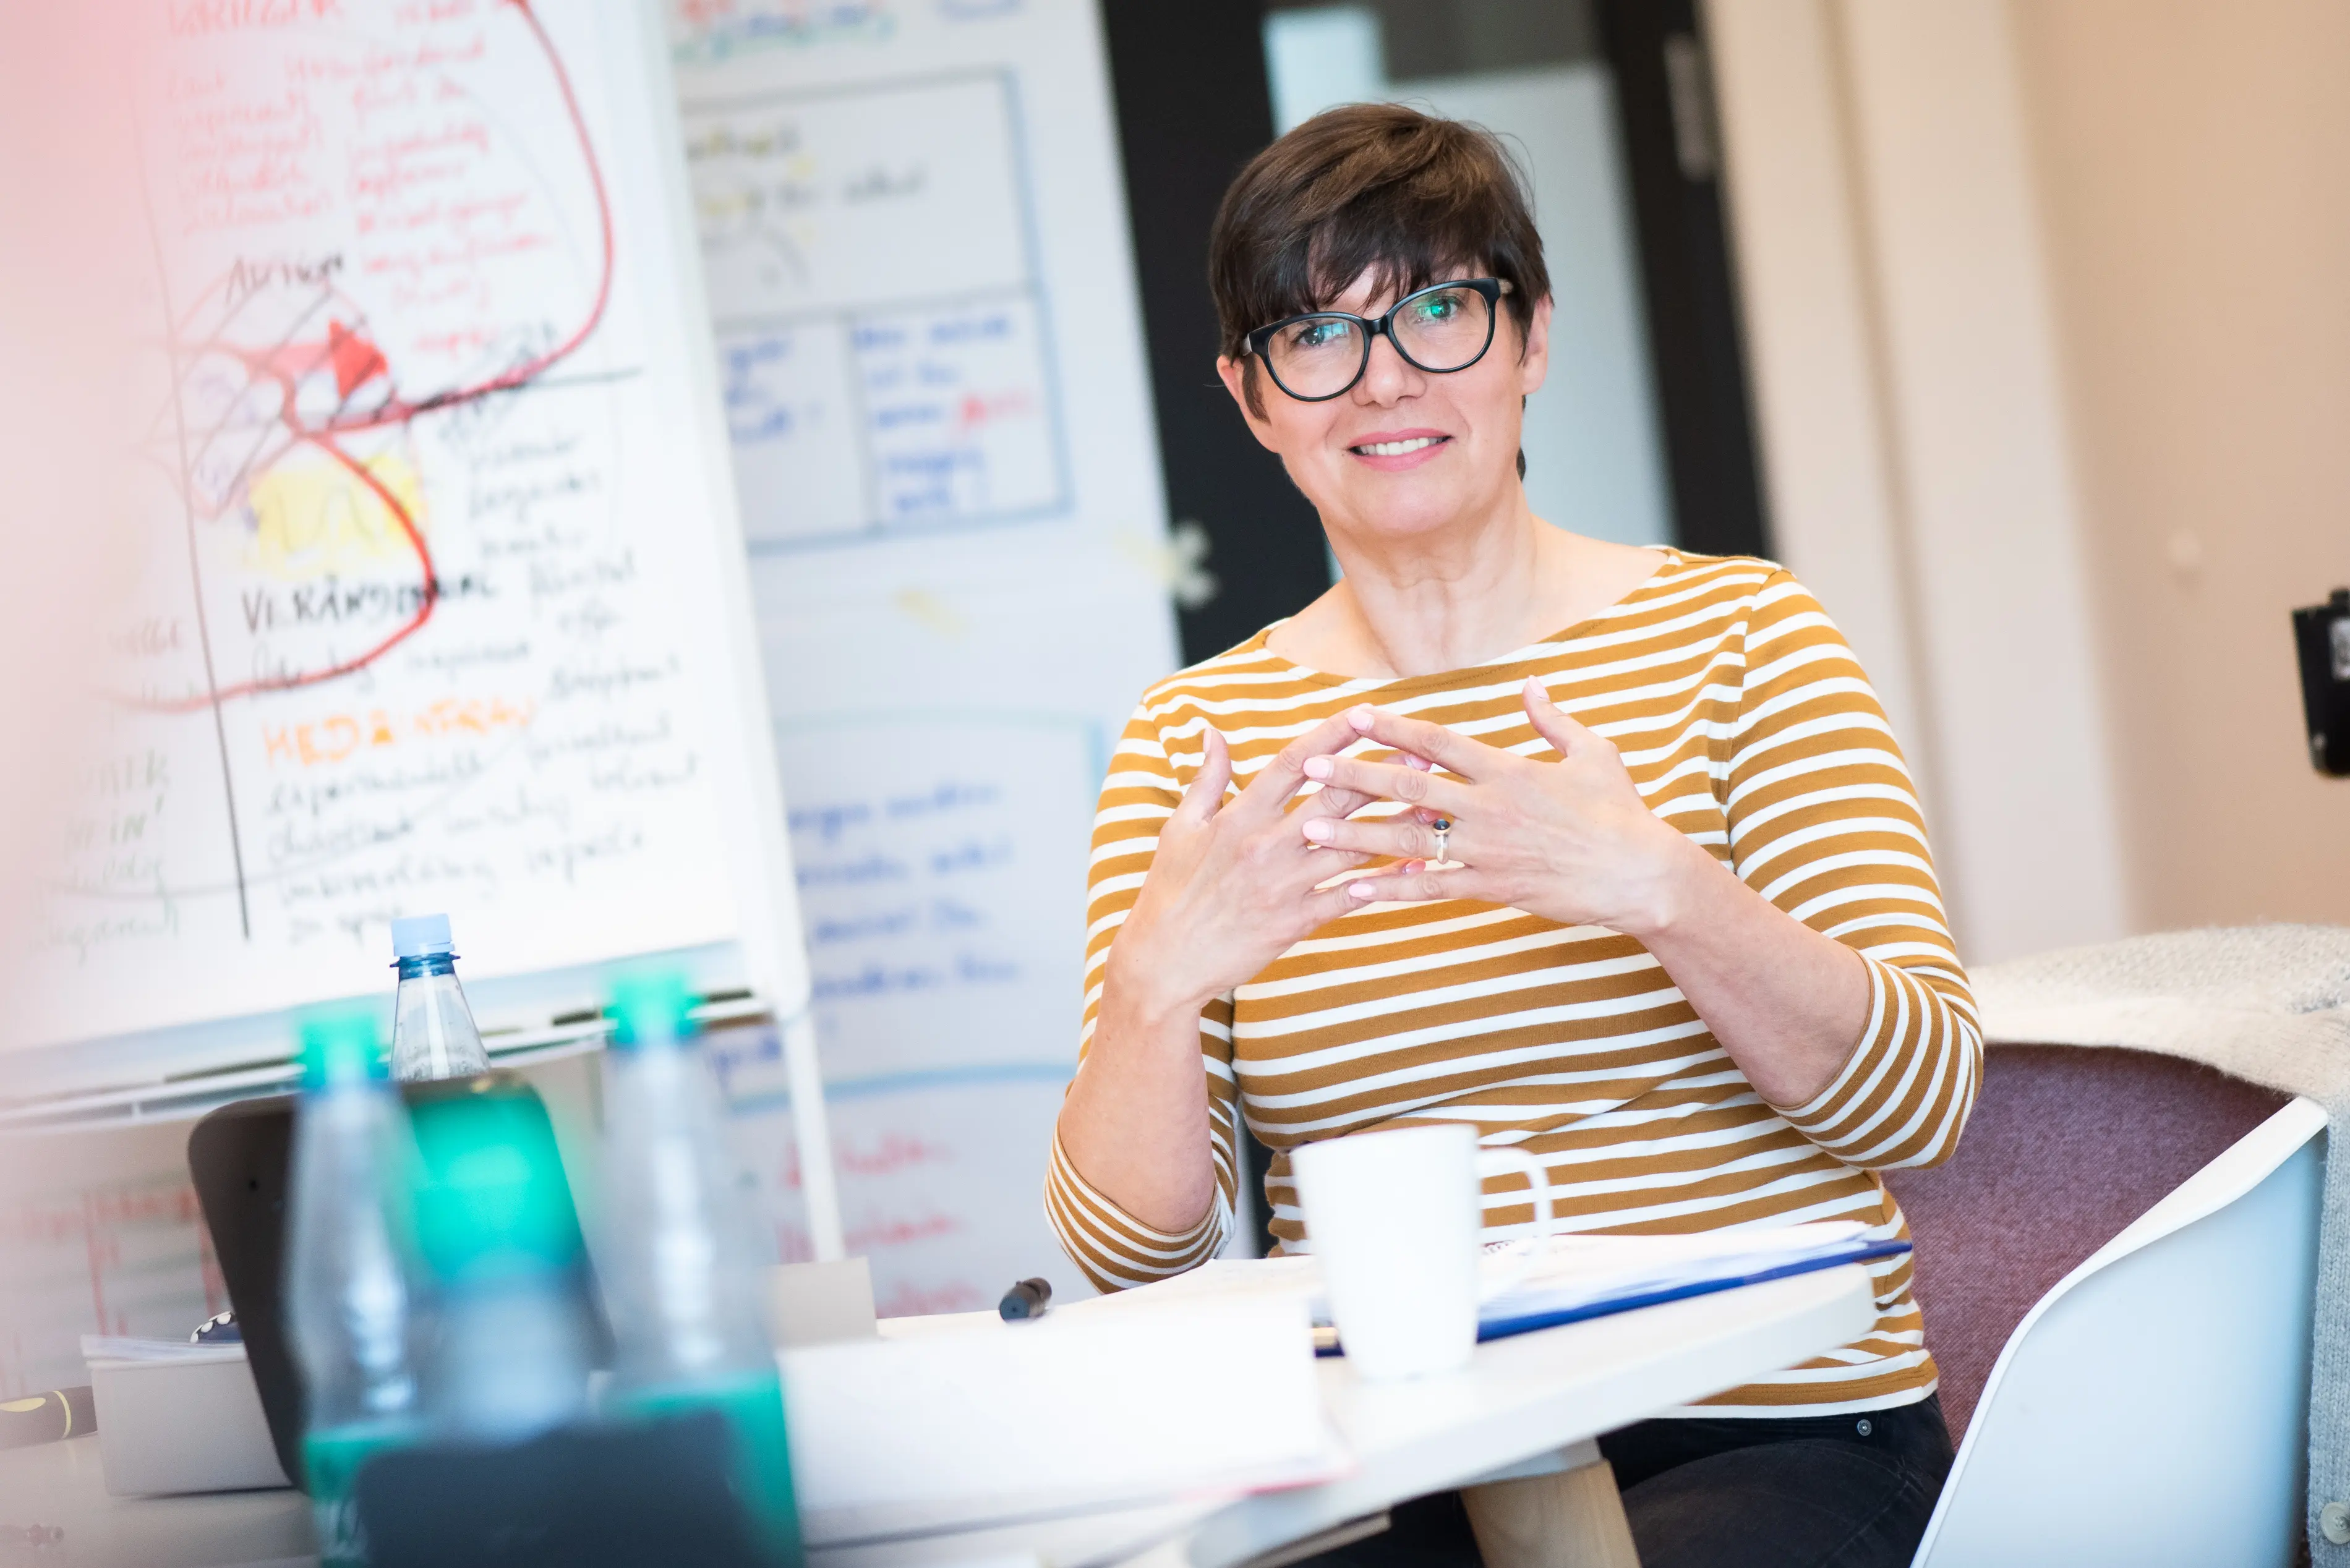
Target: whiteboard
441,604
913,226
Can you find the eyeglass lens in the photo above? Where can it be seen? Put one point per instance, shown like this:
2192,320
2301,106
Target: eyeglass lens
1440,330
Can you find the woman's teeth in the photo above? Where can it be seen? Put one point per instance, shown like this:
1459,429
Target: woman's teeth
1396,448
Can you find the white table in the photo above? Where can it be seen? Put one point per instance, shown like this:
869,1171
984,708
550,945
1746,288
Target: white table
1523,1405
61,1486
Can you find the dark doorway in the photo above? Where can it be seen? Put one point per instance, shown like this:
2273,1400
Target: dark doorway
1192,106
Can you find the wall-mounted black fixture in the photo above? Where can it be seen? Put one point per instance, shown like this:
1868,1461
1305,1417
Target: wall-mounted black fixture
2322,634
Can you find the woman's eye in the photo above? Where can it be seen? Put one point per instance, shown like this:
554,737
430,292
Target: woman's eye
1317,334
1438,308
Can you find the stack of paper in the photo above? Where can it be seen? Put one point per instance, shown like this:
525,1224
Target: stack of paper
116,1347
1569,1277
1075,1412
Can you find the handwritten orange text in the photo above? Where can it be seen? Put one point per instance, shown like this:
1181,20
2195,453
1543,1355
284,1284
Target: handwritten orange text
341,736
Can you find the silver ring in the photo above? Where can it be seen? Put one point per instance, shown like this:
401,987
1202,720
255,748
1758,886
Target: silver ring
1443,826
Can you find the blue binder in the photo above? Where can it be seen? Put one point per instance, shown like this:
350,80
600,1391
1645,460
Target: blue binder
1495,1322
1503,1326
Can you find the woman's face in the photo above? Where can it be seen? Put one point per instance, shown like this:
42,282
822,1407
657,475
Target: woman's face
1406,454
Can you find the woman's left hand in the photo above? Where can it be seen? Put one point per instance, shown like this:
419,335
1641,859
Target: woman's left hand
1570,840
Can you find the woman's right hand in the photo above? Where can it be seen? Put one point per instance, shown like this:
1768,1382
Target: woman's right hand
1233,885
1230,888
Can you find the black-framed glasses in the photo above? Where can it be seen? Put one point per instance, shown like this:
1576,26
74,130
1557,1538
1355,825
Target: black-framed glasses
1441,329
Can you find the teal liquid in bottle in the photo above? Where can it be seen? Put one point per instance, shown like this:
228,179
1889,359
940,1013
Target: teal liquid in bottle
501,1244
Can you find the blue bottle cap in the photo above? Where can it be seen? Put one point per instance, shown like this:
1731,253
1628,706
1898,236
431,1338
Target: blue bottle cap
340,1046
418,935
651,1008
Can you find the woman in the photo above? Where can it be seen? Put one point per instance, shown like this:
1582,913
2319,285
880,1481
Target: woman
1607,852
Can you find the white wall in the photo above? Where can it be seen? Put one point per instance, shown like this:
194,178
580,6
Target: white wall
1811,345
1914,428
2193,161
2046,305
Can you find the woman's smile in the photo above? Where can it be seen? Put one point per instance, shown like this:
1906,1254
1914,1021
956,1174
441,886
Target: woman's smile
1391,451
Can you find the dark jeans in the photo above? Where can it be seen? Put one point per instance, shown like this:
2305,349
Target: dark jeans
1814,1492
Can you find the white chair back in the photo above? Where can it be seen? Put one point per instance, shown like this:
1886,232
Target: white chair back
2152,1408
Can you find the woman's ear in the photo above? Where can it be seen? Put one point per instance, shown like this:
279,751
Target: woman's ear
1236,375
1534,356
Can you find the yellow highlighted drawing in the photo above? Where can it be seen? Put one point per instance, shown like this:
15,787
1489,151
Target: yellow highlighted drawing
313,517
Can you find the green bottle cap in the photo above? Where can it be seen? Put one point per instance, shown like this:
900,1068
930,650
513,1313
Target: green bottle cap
341,1047
653,1007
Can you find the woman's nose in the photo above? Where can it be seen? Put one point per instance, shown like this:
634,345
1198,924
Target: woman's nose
1388,375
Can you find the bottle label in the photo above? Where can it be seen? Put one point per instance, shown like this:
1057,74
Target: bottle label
332,1461
754,1410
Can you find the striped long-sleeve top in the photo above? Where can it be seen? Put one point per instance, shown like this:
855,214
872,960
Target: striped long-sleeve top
1745,721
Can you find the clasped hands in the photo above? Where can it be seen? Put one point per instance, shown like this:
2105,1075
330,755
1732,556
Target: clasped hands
1237,883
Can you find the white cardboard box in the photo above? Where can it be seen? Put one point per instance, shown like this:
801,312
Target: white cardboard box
190,1423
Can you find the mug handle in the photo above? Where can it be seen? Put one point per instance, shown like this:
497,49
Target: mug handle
1545,1197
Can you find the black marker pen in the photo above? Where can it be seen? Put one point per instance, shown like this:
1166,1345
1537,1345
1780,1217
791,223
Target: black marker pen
46,1417
1029,1298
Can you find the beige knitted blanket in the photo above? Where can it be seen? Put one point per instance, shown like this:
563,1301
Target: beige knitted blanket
2266,1004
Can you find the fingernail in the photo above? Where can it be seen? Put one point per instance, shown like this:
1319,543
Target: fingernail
1319,831
1318,767
1418,763
1362,718
1362,891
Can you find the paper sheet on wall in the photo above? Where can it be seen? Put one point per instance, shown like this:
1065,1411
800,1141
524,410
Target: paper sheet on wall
914,228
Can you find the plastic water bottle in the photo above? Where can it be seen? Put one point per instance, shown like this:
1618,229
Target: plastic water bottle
350,1296
500,1240
682,1264
433,1032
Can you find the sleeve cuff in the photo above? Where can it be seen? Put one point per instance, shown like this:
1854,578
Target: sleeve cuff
1901,1097
1116,1250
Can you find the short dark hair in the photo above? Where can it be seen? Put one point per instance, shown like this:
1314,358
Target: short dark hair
1375,187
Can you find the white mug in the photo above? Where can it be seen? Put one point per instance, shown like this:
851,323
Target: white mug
1395,1217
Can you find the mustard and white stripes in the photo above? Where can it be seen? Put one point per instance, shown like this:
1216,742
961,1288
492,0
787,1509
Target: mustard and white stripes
1745,721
